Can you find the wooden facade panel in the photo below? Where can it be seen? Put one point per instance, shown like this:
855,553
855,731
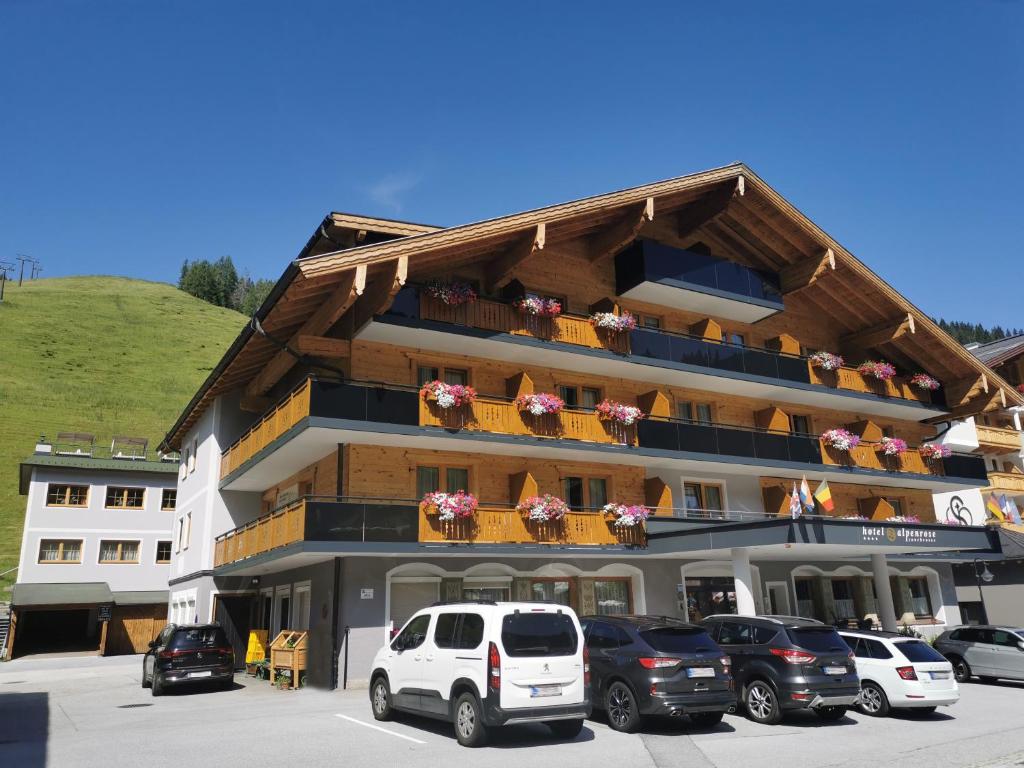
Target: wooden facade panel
131,627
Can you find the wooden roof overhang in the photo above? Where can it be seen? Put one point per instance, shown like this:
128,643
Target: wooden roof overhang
731,209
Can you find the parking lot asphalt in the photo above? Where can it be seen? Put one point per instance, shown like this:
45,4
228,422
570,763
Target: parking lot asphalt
93,712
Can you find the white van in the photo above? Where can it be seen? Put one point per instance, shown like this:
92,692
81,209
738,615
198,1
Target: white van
485,664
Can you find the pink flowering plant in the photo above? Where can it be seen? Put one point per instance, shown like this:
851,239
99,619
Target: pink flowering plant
893,446
451,506
448,395
539,404
543,509
826,361
453,294
538,306
840,439
933,451
859,518
878,369
924,381
911,519
609,321
626,516
610,410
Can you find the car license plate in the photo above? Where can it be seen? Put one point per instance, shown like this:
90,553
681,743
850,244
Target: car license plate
207,673
537,691
835,670
940,675
700,671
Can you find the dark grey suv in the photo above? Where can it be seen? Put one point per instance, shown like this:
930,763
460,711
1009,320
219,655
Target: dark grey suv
784,663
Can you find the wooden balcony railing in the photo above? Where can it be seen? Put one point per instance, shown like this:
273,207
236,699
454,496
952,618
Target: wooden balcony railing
502,525
870,456
1002,439
1006,482
282,417
491,414
277,529
854,381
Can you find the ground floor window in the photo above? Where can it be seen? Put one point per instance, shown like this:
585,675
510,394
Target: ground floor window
552,590
804,598
920,601
709,595
842,599
496,591
613,597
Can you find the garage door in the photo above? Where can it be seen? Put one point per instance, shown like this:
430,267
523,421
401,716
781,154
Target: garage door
133,626
409,597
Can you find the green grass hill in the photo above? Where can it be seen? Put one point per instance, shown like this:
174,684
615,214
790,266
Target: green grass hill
106,355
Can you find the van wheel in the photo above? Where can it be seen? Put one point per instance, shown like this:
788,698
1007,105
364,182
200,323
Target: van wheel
566,729
470,730
621,708
961,670
830,714
762,704
706,719
380,699
873,700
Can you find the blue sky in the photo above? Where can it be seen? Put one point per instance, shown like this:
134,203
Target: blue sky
135,135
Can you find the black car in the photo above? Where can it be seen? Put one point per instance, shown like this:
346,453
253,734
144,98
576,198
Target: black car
653,665
188,653
783,663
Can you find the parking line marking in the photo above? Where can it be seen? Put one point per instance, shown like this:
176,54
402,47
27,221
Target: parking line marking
382,730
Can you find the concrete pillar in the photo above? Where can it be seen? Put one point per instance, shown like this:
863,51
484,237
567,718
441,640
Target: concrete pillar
743,582
886,609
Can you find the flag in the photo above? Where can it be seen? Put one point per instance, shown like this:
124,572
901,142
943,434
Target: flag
794,503
805,495
1010,510
824,496
992,505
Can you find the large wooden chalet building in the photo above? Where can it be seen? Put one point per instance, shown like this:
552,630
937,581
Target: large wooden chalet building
657,347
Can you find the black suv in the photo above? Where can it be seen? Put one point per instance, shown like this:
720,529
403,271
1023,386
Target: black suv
188,653
653,665
784,663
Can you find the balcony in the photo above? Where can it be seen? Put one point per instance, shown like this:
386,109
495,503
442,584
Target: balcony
672,277
1011,483
330,412
997,440
386,522
493,329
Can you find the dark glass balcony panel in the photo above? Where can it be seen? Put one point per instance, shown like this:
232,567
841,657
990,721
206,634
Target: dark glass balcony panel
771,446
736,442
971,467
691,351
354,521
337,400
647,343
698,438
804,449
758,363
793,369
392,406
391,522
659,434
725,357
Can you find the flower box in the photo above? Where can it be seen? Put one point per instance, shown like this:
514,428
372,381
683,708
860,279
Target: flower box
840,439
609,321
448,395
893,446
453,294
609,410
933,451
450,506
826,361
924,381
877,369
626,516
539,404
538,306
909,519
543,509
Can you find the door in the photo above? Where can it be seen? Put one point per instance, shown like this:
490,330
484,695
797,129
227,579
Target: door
405,663
736,639
778,598
603,644
981,654
1008,657
439,658
541,659
282,611
234,613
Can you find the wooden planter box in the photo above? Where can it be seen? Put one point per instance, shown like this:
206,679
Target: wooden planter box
288,651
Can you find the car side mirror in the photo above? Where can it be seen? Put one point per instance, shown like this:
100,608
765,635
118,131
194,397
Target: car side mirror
398,644
1020,644
154,643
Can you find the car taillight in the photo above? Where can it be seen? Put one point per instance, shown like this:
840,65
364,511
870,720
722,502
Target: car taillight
586,665
726,663
791,656
493,668
658,662
907,673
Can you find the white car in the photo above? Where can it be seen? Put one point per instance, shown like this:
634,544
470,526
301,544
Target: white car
485,664
900,672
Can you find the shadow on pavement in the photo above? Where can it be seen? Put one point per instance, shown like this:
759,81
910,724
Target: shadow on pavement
24,729
505,737
670,726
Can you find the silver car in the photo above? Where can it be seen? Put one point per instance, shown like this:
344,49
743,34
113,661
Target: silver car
985,651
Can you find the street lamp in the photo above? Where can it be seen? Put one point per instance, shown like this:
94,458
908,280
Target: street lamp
985,576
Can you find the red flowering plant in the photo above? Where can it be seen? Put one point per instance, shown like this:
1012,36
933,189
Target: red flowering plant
893,446
932,451
924,381
626,515
453,294
878,369
840,439
543,509
626,415
539,404
450,506
609,321
826,361
538,306
448,395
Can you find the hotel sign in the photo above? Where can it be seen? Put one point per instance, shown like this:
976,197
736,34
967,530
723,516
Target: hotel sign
875,534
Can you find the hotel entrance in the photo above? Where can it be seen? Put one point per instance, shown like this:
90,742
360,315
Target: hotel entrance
709,595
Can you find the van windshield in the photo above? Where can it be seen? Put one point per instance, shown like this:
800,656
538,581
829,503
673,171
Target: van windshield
538,634
822,640
679,640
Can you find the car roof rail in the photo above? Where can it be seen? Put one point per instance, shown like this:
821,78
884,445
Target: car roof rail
463,602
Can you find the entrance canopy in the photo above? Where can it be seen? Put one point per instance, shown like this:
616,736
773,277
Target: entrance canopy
814,538
86,593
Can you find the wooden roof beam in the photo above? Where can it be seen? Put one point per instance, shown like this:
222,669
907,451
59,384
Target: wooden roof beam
499,269
959,392
883,333
322,346
806,273
351,287
618,236
381,293
981,403
708,208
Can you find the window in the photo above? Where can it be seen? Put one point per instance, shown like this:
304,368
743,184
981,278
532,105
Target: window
188,530
192,456
60,551
699,413
579,397
800,425
59,495
414,634
612,597
168,499
490,592
429,479
734,633
602,637
125,498
703,498
183,469
585,493
538,634
919,651
897,506
648,321
735,338
471,633
444,630
551,591
119,552
180,537
920,601
764,635
428,373
678,640
163,552
459,630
